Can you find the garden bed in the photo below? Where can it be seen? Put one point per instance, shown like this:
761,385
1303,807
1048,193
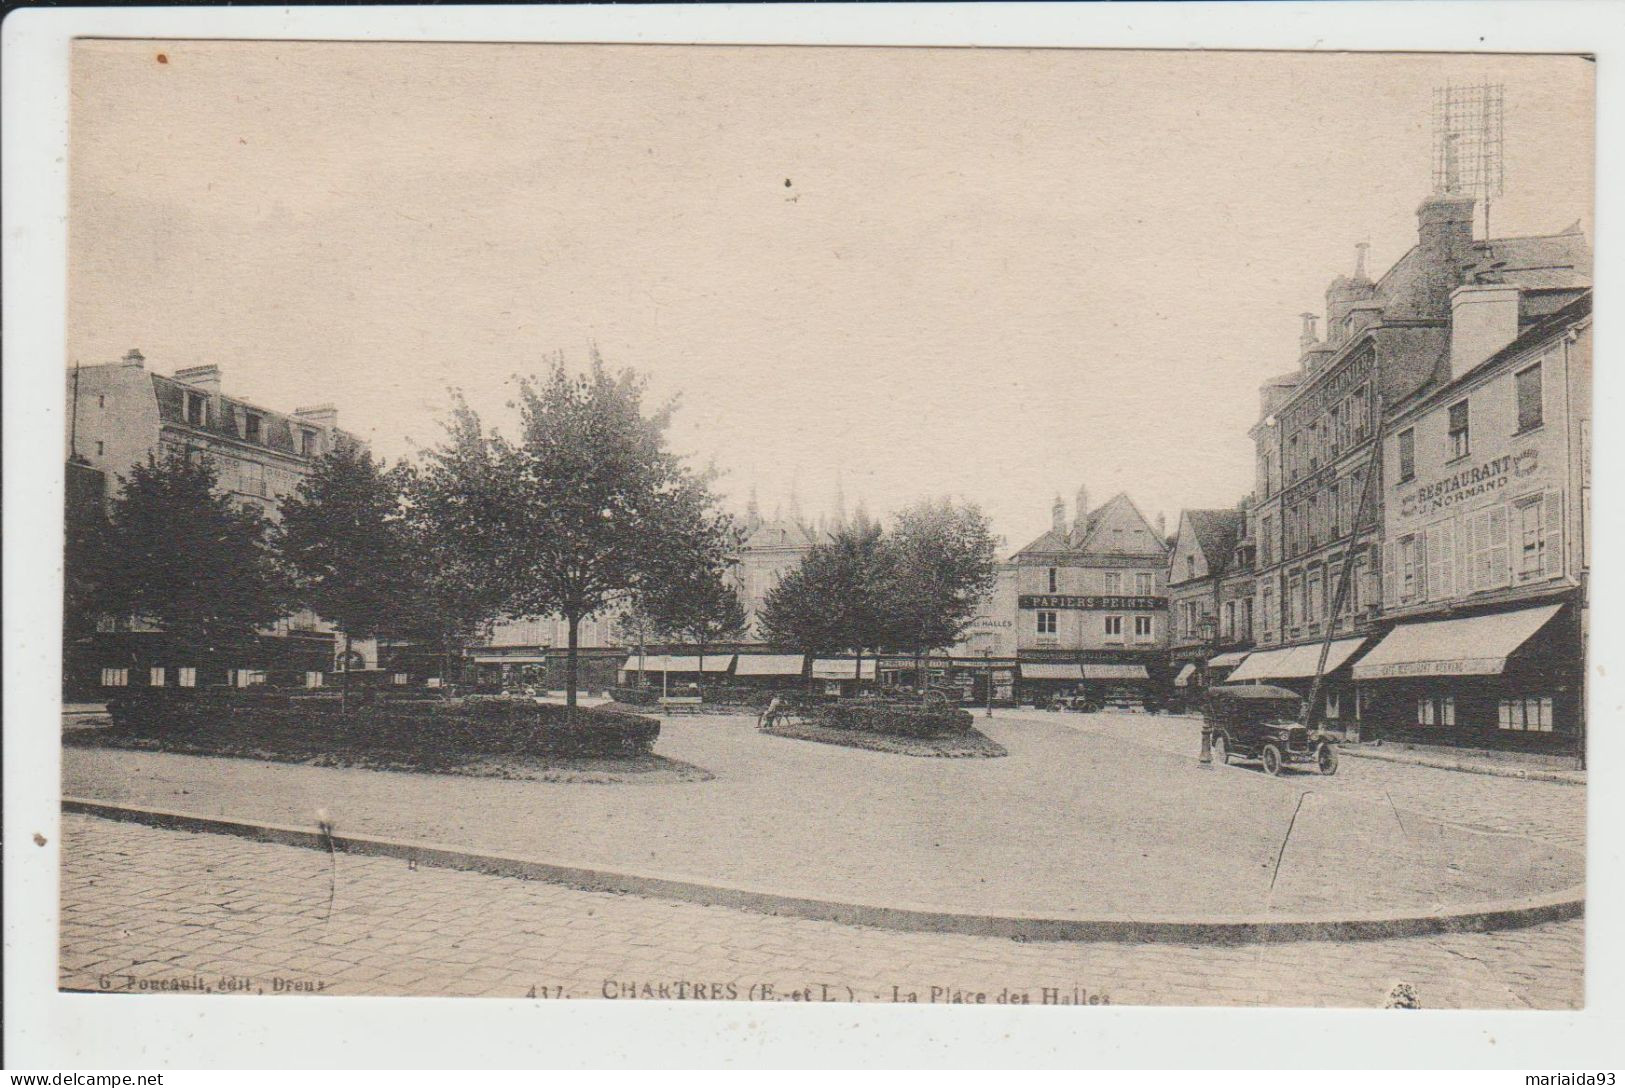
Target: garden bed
969,743
488,737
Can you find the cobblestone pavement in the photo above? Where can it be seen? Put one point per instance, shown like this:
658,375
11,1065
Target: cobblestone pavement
146,910
1551,812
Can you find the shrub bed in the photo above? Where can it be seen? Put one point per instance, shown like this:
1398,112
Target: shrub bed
634,696
300,727
894,719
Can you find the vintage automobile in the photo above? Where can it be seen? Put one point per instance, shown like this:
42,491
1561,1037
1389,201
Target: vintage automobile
1257,721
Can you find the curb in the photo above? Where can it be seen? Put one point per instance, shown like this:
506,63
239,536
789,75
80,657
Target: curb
1509,914
1532,774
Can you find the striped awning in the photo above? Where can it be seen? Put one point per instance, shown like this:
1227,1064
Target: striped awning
1050,670
1185,675
768,665
842,668
1115,672
1295,662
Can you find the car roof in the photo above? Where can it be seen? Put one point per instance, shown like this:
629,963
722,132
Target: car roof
1255,691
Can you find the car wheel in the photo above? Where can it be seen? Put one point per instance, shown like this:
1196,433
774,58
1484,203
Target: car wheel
1270,756
1326,759
1221,751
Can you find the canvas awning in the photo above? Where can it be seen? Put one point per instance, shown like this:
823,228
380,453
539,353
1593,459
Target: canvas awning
1294,662
1115,672
1470,646
678,663
842,668
1050,670
768,665
1229,660
1184,676
510,659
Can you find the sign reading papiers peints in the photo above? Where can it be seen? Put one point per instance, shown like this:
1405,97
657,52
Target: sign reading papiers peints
1093,604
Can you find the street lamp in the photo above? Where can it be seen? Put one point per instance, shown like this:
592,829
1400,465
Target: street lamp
987,656
1208,629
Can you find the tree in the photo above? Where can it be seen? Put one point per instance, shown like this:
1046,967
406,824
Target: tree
941,563
832,601
187,558
586,507
697,605
344,539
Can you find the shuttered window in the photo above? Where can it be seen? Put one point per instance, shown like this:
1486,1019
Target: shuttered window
1531,406
1488,553
1440,550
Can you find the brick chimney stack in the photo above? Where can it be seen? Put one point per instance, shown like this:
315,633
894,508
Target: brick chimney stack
206,378
1057,516
322,415
1445,248
1307,338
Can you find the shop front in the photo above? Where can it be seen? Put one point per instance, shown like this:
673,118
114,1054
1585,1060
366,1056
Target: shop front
1294,668
1506,679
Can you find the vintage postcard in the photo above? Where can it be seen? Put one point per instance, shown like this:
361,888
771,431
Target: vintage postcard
630,523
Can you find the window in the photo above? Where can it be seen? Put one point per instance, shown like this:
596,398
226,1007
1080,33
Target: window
1436,710
1190,566
1334,706
1053,580
1439,548
1046,623
1488,559
1531,539
1531,410
1266,601
115,678
155,677
1266,536
1143,585
195,409
1246,632
313,679
101,449
1294,600
1362,415
1532,713
401,678
1142,628
1114,628
1114,582
251,427
1407,455
1460,446
1314,597
1410,568
186,677
247,678
1292,459
307,443
101,401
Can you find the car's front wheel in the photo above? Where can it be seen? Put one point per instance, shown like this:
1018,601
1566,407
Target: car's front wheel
1270,756
1326,759
1221,750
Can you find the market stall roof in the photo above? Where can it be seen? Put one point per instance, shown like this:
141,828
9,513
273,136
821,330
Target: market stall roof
1185,675
1469,646
1229,660
1115,672
1294,662
1050,670
842,668
768,665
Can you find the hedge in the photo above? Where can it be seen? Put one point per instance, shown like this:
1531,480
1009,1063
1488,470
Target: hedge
306,727
894,719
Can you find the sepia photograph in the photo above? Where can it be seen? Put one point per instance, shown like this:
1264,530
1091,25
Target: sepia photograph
591,522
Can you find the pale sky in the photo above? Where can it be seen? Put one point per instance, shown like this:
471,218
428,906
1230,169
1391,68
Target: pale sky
996,274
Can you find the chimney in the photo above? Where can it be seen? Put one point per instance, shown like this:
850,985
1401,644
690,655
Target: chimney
321,415
1483,320
1444,248
1162,526
1080,513
206,378
1359,260
133,357
1307,338
1057,516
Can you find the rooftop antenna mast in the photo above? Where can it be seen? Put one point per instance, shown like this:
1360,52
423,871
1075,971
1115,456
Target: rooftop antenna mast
1468,136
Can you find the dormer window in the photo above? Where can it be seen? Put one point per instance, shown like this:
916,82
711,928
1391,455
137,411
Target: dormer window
195,410
252,427
307,443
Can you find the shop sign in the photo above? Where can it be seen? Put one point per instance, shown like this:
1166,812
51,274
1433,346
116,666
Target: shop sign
1478,666
1469,483
1092,604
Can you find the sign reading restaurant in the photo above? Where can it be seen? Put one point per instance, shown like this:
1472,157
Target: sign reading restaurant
1092,604
1469,483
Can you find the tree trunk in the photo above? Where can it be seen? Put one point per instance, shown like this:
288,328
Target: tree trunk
702,672
570,659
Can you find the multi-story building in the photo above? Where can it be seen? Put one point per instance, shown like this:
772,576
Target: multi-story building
770,548
1210,602
119,414
1091,604
1385,341
1486,474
